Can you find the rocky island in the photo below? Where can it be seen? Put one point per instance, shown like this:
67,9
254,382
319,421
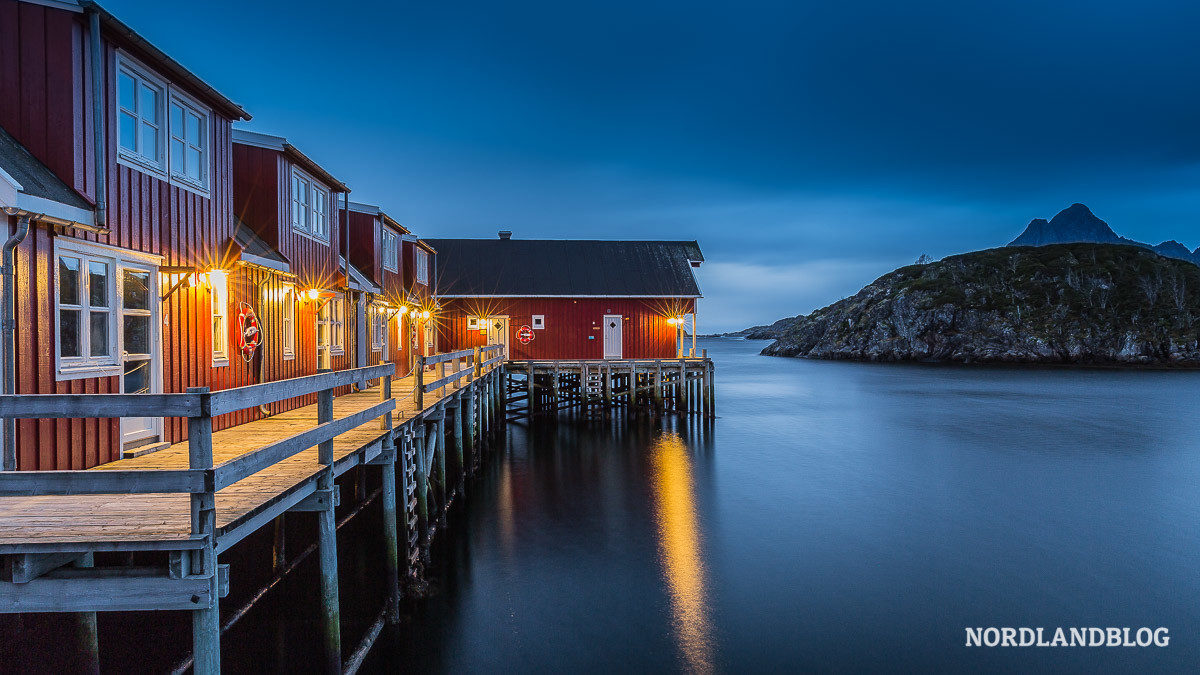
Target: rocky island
1081,303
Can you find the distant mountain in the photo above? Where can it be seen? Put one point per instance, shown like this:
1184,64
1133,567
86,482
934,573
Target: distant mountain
1077,303
1077,223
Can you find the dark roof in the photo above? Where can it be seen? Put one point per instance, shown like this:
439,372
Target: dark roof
36,179
253,244
166,63
530,267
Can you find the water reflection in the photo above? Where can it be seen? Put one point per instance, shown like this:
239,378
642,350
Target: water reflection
679,550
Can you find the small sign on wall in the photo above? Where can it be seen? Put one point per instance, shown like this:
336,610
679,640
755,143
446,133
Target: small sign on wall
539,321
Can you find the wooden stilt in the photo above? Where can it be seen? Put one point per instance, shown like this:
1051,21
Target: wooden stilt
659,387
422,479
279,545
327,544
443,489
206,622
88,638
529,384
470,435
457,430
391,538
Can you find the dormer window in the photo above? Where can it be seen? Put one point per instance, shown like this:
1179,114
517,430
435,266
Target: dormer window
160,130
422,267
310,207
390,250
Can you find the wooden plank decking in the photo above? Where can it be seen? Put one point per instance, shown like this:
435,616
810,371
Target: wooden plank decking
59,521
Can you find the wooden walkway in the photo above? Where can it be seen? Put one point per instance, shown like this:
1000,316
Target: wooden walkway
123,520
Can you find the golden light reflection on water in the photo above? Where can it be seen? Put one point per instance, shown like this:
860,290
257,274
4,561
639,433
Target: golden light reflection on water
679,550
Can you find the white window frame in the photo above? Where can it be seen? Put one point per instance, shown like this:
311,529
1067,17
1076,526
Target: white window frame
178,174
337,325
304,218
379,328
422,264
289,322
389,248
539,322
86,366
473,323
143,77
218,289
169,95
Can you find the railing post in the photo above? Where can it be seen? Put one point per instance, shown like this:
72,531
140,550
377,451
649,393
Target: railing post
442,376
475,364
206,623
419,387
385,392
327,542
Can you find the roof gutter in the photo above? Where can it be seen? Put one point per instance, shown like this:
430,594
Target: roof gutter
8,461
98,116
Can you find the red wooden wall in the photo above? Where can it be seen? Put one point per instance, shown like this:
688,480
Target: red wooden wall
569,325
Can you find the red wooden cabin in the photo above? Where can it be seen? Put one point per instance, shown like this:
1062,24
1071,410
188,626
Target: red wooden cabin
119,160
567,300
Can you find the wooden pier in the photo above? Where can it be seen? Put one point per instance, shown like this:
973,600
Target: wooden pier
185,505
656,386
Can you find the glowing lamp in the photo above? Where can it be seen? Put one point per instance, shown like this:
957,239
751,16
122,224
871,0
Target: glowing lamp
403,310
424,315
313,293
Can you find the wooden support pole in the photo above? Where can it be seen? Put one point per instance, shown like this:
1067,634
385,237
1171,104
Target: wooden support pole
422,479
608,385
659,387
327,544
469,436
391,543
682,405
88,637
440,431
206,623
279,544
530,386
457,430
419,387
404,457
557,399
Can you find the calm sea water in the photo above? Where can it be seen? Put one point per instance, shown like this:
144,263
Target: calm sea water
837,516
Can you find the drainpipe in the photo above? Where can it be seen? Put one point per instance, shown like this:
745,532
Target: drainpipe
98,119
8,326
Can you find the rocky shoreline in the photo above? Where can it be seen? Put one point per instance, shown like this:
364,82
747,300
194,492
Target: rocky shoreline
1077,304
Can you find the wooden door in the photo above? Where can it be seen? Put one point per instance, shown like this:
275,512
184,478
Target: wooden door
140,348
497,332
612,336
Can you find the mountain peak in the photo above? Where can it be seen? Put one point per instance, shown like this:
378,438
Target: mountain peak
1076,223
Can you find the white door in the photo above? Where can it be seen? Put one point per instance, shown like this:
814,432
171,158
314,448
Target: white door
141,356
497,332
612,336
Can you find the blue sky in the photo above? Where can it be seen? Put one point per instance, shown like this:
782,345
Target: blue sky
808,146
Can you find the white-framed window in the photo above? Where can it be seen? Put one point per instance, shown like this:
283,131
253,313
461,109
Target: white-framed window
141,113
161,130
379,322
539,321
390,250
422,267
100,292
335,319
188,157
473,323
86,317
289,322
310,207
219,297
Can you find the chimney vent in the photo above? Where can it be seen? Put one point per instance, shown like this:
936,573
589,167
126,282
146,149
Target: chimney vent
506,234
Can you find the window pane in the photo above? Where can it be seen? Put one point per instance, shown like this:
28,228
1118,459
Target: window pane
137,377
126,86
137,334
218,328
176,121
176,155
193,163
98,284
68,280
128,132
193,129
136,289
149,104
99,336
149,142
68,332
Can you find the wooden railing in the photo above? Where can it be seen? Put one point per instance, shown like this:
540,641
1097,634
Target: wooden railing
464,363
199,405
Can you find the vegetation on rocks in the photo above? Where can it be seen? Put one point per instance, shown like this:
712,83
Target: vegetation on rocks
1065,303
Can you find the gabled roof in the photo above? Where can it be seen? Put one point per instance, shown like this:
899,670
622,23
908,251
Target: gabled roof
280,144
29,185
566,268
166,64
255,246
372,210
